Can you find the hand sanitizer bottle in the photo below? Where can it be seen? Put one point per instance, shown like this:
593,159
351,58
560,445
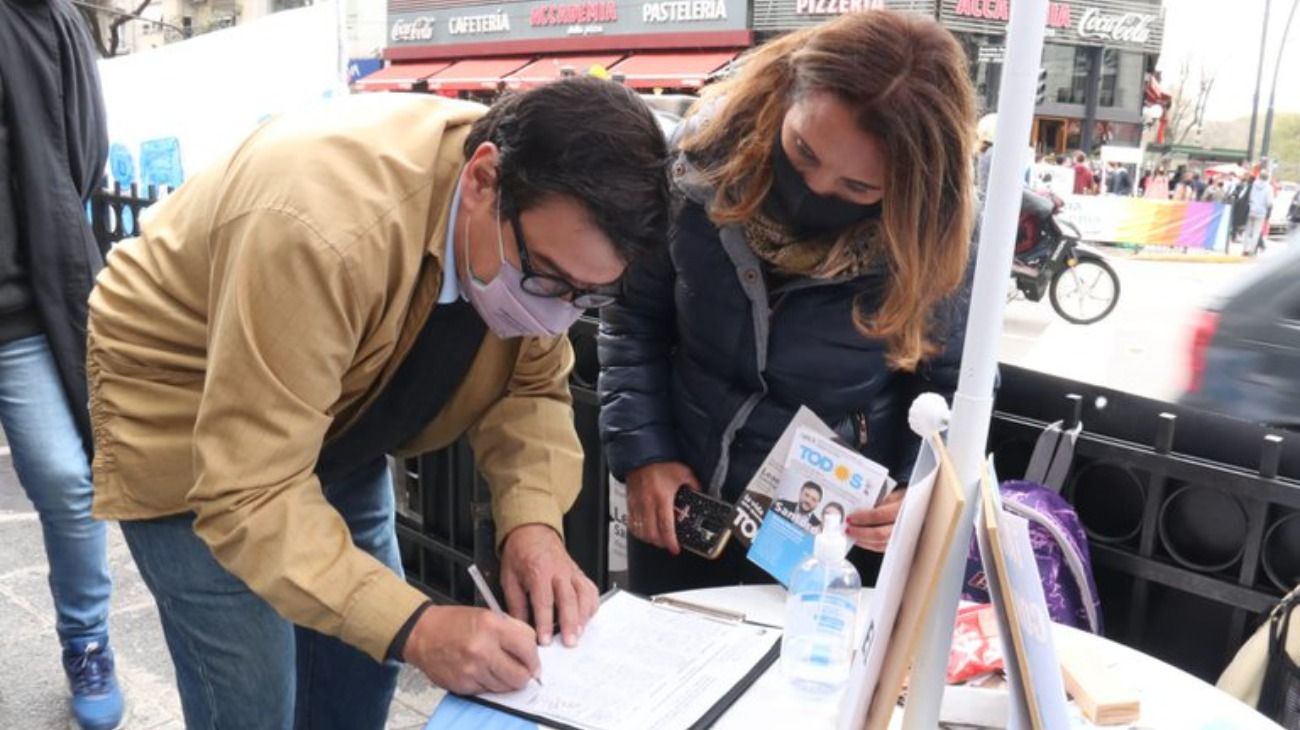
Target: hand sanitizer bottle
821,614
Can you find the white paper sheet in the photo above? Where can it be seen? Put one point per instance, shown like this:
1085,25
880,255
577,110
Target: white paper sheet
641,666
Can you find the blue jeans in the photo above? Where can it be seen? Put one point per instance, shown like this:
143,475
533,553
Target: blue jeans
239,665
50,458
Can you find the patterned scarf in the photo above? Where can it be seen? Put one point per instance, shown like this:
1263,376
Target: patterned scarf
823,257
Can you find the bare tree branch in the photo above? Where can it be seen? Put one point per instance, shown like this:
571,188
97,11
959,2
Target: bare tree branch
119,21
92,17
1189,99
100,12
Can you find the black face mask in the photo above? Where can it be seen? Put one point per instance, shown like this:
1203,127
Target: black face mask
792,202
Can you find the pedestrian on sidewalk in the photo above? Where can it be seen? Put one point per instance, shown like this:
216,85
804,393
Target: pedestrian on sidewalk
1157,187
1119,182
379,276
1240,202
53,147
1261,204
1083,178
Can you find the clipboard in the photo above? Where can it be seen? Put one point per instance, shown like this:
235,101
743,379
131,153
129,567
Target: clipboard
675,606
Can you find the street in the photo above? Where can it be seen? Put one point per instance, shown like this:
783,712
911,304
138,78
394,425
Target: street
1141,347
34,693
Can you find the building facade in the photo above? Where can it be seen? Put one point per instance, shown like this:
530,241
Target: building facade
1095,58
479,49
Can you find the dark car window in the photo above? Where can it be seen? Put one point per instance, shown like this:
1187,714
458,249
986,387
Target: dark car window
1290,308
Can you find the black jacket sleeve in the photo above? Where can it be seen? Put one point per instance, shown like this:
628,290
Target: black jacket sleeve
636,342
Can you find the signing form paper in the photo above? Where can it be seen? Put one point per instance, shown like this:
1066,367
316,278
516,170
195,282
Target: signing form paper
642,665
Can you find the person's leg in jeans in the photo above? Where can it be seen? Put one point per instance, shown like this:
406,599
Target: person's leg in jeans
338,685
1254,232
50,459
234,655
239,665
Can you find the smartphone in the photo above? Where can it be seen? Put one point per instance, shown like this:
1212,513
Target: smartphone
703,523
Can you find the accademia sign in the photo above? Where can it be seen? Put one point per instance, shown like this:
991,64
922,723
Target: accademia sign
410,24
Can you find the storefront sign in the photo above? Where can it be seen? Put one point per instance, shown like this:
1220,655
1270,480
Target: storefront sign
1058,14
1124,24
1116,27
407,30
411,23
572,14
835,7
497,22
683,11
992,54
784,15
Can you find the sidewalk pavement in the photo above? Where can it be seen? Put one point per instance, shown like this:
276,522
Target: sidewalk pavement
33,691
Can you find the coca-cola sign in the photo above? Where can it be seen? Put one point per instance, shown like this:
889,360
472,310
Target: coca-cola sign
412,29
1118,27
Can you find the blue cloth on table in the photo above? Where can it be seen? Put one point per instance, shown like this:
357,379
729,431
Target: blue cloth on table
455,713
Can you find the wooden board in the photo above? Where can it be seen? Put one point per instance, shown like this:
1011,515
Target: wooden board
947,503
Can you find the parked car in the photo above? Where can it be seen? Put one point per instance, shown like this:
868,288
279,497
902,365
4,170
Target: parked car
1295,201
1285,208
1245,350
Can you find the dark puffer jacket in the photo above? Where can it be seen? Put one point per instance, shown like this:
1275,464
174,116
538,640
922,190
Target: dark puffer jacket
702,363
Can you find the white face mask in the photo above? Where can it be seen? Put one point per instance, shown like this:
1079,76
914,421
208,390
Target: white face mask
506,308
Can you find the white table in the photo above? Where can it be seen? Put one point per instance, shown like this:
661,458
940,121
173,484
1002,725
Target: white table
1171,698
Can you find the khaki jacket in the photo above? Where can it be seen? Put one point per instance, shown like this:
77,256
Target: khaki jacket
264,304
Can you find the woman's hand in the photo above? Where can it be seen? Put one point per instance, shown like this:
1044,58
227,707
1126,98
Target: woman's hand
651,491
870,528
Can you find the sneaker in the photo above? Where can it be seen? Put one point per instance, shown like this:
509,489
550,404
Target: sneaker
96,698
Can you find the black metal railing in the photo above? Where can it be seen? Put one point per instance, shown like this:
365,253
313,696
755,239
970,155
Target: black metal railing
1193,518
115,212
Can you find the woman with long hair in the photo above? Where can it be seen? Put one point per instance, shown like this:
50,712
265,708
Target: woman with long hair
819,258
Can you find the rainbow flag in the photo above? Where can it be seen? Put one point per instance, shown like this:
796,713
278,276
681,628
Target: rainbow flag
1116,219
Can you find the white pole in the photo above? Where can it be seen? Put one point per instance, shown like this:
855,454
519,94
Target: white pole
341,42
973,403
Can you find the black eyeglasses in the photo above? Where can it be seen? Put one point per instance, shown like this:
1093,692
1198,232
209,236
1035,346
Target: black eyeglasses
553,287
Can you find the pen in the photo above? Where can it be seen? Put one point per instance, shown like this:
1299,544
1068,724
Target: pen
488,598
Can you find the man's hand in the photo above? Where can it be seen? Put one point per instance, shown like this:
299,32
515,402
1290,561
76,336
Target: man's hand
472,650
870,528
651,494
536,570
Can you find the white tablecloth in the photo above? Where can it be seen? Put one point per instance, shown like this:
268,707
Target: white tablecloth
1171,698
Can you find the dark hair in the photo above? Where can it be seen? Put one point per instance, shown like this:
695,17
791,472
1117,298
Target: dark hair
812,485
838,508
592,140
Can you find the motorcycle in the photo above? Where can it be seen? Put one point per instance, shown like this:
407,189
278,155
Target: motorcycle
1051,259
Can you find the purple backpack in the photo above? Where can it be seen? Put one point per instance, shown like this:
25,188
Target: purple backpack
1060,549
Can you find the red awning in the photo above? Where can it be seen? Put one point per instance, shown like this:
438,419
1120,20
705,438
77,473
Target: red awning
548,69
399,76
475,74
671,70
